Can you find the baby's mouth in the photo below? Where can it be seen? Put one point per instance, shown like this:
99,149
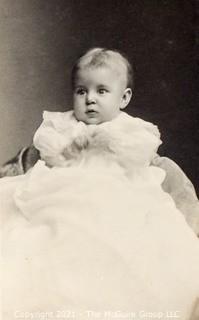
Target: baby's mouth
91,112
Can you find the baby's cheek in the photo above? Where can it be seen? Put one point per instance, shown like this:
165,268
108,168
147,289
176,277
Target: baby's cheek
78,113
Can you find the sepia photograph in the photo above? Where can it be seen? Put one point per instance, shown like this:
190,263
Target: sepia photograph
99,161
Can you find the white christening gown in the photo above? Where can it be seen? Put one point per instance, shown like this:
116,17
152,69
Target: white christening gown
89,228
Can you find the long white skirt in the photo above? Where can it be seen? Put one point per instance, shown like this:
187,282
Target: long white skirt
86,242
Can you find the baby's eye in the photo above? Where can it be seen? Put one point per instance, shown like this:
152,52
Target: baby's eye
102,91
80,91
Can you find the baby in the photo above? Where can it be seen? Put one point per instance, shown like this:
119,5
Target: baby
102,82
91,226
102,87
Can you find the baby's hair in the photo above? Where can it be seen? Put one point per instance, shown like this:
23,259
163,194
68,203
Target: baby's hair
98,57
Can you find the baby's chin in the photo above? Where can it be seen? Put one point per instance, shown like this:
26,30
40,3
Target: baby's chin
95,120
90,120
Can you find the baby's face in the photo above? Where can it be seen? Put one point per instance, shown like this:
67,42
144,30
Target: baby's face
98,94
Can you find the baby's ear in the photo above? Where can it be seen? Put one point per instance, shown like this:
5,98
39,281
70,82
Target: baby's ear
127,95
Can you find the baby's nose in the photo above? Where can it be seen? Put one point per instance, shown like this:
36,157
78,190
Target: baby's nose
90,98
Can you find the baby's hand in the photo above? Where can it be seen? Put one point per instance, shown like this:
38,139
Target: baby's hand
76,147
81,142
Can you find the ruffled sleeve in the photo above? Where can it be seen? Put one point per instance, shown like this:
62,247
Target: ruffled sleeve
56,134
133,140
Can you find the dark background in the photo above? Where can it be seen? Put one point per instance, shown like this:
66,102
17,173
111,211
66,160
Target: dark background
42,39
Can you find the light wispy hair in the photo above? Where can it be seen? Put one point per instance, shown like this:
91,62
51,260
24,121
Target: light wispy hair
99,57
